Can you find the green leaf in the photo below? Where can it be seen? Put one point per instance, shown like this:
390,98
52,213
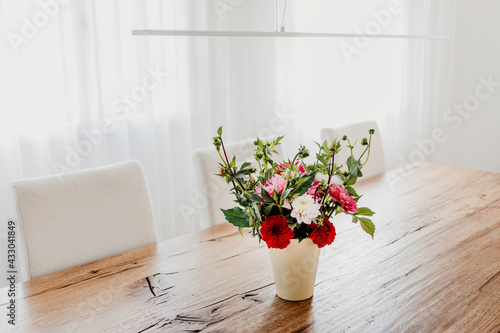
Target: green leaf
241,201
365,211
285,194
255,197
244,165
266,196
219,131
355,219
351,191
267,209
367,225
350,162
353,176
242,173
304,184
256,209
237,217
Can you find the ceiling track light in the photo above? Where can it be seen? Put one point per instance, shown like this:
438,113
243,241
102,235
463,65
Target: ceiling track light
280,33
220,33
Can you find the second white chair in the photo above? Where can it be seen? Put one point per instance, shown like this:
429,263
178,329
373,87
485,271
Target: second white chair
355,132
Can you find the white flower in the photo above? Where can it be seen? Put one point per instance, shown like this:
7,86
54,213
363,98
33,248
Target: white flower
304,209
334,180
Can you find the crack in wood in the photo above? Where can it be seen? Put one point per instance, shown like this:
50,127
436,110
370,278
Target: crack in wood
215,309
127,269
303,329
156,274
267,285
489,280
236,255
218,238
150,286
413,270
188,319
177,254
410,232
223,300
477,210
213,322
232,296
248,295
151,326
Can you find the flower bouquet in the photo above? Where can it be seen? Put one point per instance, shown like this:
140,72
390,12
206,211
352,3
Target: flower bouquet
285,201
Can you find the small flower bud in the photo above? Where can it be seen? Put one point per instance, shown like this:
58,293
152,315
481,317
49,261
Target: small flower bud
344,138
303,152
222,172
217,143
259,155
371,131
364,142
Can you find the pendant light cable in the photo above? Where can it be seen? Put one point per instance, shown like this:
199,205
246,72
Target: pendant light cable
282,29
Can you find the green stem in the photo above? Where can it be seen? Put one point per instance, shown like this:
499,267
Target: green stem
288,177
369,149
330,174
231,171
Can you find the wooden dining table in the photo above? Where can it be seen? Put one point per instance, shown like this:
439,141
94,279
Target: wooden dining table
433,266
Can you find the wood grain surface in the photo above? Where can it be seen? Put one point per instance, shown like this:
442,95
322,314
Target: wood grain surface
434,266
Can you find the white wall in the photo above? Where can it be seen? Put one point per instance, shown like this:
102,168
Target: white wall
474,136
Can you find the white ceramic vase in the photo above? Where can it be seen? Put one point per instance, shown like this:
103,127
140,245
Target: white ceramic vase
294,269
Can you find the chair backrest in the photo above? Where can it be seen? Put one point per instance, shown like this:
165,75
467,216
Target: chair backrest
214,190
78,217
355,132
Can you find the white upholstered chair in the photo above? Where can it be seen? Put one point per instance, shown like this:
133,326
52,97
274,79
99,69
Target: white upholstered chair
78,217
213,189
355,132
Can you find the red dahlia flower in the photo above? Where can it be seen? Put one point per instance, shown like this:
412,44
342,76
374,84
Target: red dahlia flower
275,232
323,235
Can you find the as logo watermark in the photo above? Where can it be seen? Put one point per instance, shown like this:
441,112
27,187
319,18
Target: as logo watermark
454,117
381,20
120,108
30,27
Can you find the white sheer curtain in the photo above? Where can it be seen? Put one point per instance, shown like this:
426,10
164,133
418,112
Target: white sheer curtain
80,91
427,86
427,71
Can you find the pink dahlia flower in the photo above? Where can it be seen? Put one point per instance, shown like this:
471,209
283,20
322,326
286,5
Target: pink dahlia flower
340,194
276,183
